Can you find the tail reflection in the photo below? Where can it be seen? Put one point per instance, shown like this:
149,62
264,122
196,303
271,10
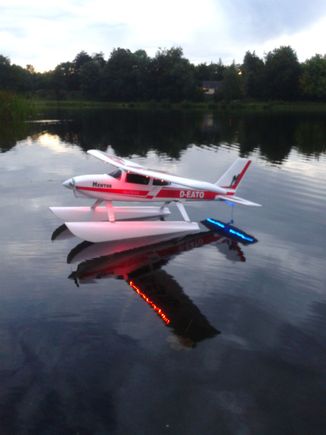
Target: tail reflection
141,269
164,294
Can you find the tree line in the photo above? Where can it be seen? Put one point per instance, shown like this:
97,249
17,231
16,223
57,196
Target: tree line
170,77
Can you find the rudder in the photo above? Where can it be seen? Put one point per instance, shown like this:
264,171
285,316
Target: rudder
233,176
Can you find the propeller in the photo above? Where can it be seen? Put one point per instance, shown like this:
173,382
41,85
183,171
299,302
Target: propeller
71,184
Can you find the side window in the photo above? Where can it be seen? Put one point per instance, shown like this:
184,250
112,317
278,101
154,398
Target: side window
157,182
116,174
136,178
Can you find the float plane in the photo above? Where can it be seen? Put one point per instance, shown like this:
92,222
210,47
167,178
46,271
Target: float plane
131,182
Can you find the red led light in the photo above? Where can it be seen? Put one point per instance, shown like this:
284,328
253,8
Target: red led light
150,303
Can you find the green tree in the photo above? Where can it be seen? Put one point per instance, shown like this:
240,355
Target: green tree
172,76
232,83
313,78
125,76
14,77
63,79
21,78
282,72
98,58
43,84
90,78
5,73
80,60
212,72
253,76
140,75
117,82
88,71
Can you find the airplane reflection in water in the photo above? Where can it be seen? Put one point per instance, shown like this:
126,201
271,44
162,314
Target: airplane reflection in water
139,262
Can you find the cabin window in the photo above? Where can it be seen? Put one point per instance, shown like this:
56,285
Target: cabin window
157,182
136,178
116,174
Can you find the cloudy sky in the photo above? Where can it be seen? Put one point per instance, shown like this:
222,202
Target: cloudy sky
46,32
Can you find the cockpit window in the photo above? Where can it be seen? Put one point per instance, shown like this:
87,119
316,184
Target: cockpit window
157,182
116,174
136,178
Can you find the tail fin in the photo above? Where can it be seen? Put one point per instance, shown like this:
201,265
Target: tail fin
233,176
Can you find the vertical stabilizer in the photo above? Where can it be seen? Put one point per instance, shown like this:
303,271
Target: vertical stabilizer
233,176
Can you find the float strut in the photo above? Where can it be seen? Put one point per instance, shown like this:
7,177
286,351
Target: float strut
96,203
164,205
183,212
110,211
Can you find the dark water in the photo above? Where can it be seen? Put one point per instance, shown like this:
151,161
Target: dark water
239,344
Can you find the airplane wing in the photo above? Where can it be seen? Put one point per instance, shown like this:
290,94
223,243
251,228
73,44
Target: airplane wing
127,165
119,162
238,200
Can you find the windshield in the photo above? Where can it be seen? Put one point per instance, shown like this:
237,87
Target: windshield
116,174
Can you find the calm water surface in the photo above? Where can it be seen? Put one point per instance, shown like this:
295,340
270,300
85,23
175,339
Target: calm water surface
240,347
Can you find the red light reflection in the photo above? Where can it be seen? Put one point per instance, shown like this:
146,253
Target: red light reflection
150,303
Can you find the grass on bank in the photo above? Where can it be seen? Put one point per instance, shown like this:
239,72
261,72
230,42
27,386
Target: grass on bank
234,106
14,108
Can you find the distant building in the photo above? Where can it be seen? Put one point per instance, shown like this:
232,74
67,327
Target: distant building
211,87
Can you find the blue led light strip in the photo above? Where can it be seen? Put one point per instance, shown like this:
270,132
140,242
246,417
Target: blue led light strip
219,224
249,239
230,230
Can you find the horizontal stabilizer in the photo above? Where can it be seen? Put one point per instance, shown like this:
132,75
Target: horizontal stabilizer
238,200
229,231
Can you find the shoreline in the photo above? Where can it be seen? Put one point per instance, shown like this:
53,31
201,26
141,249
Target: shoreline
233,106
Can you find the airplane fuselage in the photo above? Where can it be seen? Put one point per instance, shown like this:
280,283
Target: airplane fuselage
125,186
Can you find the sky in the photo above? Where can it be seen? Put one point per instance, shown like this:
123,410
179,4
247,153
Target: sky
44,33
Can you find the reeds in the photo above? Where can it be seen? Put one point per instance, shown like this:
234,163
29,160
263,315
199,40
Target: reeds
13,108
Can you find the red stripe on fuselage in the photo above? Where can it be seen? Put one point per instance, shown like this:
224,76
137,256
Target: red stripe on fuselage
130,192
185,194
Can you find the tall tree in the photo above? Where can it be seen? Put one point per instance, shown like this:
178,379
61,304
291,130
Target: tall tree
81,58
211,71
172,76
99,59
232,88
14,77
118,78
5,73
140,75
313,78
63,79
90,79
282,71
253,76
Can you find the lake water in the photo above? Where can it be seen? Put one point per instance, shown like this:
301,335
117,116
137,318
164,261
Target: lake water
239,346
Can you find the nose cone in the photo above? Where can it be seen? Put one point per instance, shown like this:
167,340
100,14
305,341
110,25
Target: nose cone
69,183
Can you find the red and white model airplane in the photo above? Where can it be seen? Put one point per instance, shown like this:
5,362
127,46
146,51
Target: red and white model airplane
134,183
